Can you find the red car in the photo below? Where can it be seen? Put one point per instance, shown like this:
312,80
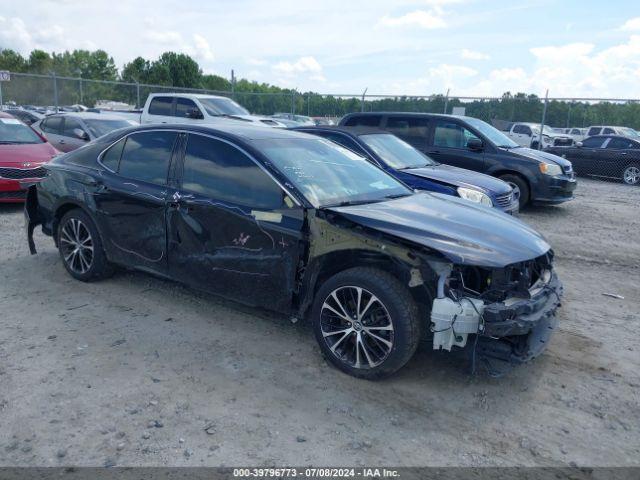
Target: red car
22,154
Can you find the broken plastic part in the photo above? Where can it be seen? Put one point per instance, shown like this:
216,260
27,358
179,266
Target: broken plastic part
453,321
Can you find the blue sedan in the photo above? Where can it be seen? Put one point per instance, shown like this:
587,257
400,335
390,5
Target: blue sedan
417,170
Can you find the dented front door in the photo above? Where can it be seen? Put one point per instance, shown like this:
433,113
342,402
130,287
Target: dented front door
231,228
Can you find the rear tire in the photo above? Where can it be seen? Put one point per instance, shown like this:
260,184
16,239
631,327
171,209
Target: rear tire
80,247
373,340
631,174
519,185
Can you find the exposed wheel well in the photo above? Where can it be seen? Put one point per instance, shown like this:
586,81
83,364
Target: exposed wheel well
330,264
500,173
60,212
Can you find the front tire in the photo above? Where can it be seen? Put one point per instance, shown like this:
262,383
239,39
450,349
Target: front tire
631,175
80,247
366,322
520,187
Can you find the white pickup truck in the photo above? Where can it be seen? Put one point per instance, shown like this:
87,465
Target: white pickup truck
528,135
198,108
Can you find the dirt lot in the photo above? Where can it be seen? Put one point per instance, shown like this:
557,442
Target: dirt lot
140,371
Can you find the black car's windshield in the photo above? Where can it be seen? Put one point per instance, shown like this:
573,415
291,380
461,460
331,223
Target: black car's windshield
13,131
328,174
97,128
222,106
394,152
494,135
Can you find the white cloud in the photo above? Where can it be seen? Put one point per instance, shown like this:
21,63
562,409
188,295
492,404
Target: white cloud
302,65
474,55
14,34
198,47
202,48
256,62
428,19
632,24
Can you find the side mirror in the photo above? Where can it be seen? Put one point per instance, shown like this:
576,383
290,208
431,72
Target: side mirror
195,114
579,144
81,134
475,144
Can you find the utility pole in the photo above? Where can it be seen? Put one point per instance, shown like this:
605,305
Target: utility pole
362,102
544,117
55,91
233,84
446,101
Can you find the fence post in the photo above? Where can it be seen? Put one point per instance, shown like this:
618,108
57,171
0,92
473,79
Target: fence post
233,84
362,101
137,94
446,101
81,93
544,117
308,106
1,95
293,102
55,91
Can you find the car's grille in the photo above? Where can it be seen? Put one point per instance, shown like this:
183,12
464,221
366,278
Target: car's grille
505,200
20,173
560,142
19,194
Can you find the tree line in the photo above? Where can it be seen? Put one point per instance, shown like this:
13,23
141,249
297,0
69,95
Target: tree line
173,71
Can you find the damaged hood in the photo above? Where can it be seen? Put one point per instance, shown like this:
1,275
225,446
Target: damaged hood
464,232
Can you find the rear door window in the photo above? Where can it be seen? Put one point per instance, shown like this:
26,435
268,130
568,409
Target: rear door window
593,131
364,121
161,106
146,156
619,144
608,131
412,130
111,158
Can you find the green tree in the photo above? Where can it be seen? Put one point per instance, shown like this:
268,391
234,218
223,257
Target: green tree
12,61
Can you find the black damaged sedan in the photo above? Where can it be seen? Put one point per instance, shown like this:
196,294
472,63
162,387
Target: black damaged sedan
300,225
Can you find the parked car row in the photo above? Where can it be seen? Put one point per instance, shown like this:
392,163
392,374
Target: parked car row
605,156
302,225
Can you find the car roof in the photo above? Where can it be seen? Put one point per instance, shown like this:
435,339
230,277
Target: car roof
407,114
354,131
87,115
240,132
186,95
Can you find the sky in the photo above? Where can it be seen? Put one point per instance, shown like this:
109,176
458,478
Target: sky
415,47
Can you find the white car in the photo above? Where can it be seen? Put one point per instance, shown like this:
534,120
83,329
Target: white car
612,130
578,134
198,108
528,135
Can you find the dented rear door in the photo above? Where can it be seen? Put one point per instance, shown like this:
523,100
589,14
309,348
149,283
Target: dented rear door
231,229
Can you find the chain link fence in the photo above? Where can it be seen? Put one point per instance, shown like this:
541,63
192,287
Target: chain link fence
567,119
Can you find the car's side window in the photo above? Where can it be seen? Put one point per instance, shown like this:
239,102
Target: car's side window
186,108
364,121
593,131
451,135
619,144
410,129
111,158
526,130
518,129
161,106
224,173
146,156
608,131
52,125
593,142
70,124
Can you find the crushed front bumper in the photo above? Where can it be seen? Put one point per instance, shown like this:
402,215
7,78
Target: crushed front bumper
519,331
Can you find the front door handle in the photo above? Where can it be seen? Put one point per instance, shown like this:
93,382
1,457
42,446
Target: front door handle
61,141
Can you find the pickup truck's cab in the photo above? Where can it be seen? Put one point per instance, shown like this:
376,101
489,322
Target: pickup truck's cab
199,109
528,135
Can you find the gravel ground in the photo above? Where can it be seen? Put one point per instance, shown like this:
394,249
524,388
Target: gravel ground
140,371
